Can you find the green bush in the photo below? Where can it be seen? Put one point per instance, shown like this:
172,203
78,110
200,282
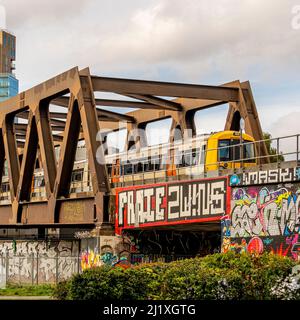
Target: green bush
62,290
219,276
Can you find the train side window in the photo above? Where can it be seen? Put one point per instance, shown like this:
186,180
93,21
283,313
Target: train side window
195,156
138,167
178,158
109,169
202,156
148,166
77,175
153,164
163,161
156,164
191,157
128,168
5,187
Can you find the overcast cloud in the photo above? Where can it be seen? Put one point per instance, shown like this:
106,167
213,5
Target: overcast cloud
211,41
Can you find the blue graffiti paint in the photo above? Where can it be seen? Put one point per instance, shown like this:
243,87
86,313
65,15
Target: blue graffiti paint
267,241
108,258
234,180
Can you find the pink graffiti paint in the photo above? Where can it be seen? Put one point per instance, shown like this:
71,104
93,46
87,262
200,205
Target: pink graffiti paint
291,241
255,245
252,192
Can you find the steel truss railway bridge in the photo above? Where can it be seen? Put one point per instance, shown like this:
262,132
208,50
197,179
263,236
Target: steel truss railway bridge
30,130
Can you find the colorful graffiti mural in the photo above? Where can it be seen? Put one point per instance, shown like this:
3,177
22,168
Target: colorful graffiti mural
109,250
90,259
263,218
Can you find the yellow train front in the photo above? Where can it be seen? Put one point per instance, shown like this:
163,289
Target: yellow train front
229,150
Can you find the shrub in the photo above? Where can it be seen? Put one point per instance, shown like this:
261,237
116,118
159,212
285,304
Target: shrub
218,276
289,287
62,290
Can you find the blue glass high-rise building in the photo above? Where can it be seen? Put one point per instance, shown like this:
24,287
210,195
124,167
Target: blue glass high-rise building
9,85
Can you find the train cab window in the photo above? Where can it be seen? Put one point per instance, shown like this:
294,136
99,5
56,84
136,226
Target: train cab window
224,151
231,150
235,150
249,153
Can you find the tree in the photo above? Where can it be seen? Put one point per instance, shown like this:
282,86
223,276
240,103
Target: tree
272,151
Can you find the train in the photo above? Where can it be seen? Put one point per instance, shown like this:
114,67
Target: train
185,158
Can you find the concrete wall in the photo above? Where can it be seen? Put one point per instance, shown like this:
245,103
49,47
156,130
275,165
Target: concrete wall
36,262
39,261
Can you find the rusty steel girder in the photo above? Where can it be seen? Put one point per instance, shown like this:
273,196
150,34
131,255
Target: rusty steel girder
21,144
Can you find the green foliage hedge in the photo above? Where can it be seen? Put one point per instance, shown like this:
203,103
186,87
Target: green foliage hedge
217,276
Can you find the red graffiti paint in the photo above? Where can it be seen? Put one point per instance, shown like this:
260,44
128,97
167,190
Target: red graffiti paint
255,245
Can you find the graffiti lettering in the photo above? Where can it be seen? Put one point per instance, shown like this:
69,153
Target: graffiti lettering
267,214
264,218
171,202
266,177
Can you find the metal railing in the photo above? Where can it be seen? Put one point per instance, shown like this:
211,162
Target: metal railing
284,148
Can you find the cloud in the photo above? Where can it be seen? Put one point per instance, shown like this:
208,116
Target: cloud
198,41
33,12
209,42
287,125
204,37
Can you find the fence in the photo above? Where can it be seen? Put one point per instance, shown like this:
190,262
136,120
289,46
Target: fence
37,268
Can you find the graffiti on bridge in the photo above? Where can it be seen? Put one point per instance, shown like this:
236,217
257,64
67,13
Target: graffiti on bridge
170,203
280,175
90,259
264,218
109,251
168,243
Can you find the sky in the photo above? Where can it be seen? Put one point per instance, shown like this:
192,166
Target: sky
203,42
